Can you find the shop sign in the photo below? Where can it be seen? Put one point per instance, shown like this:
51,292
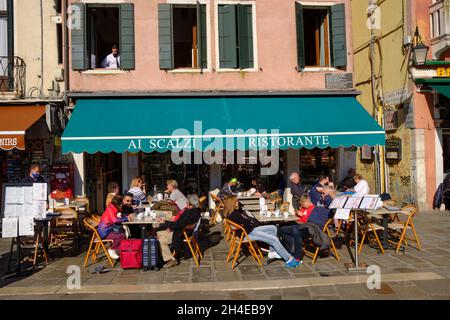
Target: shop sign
11,142
443,71
396,97
390,120
394,149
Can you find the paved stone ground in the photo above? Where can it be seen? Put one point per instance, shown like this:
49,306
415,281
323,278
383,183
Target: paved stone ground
433,229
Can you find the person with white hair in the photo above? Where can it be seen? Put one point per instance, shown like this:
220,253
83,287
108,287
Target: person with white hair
297,189
176,195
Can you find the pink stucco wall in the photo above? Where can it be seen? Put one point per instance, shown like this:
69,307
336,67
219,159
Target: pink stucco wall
423,103
277,57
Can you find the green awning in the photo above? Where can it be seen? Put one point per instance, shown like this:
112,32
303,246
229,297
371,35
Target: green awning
442,88
218,123
441,85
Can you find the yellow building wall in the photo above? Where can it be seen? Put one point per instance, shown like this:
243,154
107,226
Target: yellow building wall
390,70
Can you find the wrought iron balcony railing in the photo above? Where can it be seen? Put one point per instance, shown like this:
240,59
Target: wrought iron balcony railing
12,76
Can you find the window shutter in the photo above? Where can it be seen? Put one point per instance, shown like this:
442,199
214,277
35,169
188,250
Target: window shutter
79,49
165,36
203,54
126,48
300,37
245,36
227,36
339,53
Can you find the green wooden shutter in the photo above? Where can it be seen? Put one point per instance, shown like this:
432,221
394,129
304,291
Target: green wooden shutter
300,37
227,36
203,53
127,54
165,14
80,59
339,43
245,36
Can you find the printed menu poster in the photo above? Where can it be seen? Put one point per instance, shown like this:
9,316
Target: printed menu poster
39,209
9,227
14,195
342,214
26,226
353,202
369,202
40,191
338,203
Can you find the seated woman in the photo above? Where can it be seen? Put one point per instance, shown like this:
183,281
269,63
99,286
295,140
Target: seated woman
136,189
267,234
108,228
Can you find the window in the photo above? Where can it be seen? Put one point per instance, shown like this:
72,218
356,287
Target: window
235,26
182,36
59,42
58,6
321,37
3,39
100,28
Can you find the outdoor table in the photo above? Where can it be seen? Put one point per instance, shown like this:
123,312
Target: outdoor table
145,221
279,219
73,205
386,214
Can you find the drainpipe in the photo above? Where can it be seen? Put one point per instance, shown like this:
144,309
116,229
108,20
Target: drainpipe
42,49
10,27
66,51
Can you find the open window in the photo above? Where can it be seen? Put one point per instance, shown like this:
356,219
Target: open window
182,36
99,28
102,35
321,37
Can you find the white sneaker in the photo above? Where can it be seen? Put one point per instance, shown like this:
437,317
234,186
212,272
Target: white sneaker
113,254
273,255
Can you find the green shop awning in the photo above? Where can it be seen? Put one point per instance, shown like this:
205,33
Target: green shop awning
441,85
218,123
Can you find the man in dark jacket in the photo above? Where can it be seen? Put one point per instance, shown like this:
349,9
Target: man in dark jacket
297,189
34,175
189,218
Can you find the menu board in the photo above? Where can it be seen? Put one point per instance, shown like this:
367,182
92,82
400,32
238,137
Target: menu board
21,204
338,203
342,214
353,202
369,202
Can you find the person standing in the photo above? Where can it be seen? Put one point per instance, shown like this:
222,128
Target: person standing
112,61
446,192
297,189
34,175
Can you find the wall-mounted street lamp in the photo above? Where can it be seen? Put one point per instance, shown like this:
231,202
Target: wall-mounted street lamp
419,49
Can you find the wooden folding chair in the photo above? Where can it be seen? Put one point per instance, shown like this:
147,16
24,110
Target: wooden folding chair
239,237
39,246
368,231
314,254
227,231
93,251
192,242
398,229
219,206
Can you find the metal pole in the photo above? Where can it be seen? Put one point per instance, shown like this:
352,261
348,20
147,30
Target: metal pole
356,241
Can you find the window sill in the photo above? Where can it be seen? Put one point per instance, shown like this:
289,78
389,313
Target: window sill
319,69
104,71
187,70
237,70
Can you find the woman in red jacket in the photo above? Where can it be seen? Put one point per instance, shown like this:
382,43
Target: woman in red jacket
109,228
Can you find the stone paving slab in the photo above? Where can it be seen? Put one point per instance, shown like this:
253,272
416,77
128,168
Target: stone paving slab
268,281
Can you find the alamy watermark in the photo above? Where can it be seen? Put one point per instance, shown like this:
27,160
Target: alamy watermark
74,279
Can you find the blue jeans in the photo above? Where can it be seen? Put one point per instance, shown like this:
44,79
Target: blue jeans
293,236
268,234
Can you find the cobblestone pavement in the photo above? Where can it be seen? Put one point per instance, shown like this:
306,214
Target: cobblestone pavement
410,275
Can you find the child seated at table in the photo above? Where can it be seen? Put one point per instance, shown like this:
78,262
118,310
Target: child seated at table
110,225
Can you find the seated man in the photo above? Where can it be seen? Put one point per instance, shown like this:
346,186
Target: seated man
176,195
259,187
267,234
317,189
228,194
294,235
348,182
174,233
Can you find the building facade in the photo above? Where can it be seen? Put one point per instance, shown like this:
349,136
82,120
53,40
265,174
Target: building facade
31,87
416,146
